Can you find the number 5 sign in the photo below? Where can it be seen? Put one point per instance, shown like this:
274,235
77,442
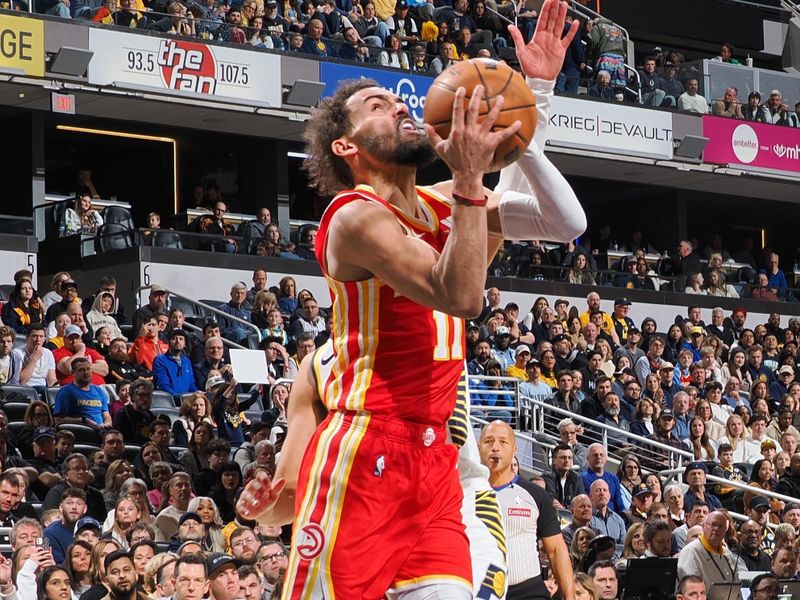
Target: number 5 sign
233,75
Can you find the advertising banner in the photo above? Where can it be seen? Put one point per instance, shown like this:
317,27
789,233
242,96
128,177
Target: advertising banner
22,45
610,127
749,144
607,127
177,65
411,88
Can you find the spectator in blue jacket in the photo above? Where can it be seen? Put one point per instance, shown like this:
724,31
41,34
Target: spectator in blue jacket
172,371
574,63
777,280
233,330
314,43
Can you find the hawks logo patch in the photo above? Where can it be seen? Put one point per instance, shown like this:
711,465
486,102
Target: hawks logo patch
310,541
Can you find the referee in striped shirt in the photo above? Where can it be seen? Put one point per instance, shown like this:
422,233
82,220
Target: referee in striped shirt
528,516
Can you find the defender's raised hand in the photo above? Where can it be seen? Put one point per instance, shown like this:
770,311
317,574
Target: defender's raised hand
543,56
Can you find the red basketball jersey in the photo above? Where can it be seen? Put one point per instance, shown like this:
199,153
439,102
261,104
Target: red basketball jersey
392,356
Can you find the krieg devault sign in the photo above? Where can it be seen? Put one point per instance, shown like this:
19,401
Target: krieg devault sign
607,127
178,65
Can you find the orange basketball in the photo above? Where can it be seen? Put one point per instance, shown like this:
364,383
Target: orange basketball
497,79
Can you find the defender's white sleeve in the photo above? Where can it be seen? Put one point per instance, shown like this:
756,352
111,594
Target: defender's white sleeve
537,202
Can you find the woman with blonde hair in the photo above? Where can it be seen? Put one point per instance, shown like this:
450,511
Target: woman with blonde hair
580,544
607,364
633,547
195,409
54,295
126,514
101,549
585,588
117,473
736,436
152,568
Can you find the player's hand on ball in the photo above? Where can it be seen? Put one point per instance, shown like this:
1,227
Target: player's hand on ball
259,496
469,149
543,56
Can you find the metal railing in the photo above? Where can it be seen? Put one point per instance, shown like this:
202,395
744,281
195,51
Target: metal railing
655,455
206,307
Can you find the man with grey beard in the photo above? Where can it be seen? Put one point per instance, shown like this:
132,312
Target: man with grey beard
611,416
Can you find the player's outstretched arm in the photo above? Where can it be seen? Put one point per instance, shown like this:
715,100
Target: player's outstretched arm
271,501
532,199
367,239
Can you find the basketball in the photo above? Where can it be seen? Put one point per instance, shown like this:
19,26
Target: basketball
497,79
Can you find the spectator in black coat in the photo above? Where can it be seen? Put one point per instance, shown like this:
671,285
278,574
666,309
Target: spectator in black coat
561,482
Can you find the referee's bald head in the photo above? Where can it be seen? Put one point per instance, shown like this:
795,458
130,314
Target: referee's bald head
497,446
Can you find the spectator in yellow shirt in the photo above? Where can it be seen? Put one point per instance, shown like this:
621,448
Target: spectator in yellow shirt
522,356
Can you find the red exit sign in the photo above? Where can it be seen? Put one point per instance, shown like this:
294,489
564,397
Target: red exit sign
63,103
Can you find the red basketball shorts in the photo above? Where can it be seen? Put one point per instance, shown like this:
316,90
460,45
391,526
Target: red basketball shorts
380,509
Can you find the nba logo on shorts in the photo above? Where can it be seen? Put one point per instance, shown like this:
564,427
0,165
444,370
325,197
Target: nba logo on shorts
310,541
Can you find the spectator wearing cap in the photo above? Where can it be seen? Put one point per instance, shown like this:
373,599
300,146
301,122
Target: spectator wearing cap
672,86
622,322
666,376
82,401
44,456
405,27
698,336
780,387
534,387
68,290
664,433
789,483
233,330
522,356
482,355
729,106
88,529
694,475
157,303
502,351
641,500
222,576
567,357
172,371
133,420
190,528
630,347
489,397
758,509
691,100
75,348
774,111
75,474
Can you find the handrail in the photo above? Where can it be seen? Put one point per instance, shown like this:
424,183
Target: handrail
791,7
225,342
607,428
206,307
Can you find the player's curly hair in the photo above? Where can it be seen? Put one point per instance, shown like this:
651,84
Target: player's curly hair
329,173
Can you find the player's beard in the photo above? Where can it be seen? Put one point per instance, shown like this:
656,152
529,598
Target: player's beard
402,151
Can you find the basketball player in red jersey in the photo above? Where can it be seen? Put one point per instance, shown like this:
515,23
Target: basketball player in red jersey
378,512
